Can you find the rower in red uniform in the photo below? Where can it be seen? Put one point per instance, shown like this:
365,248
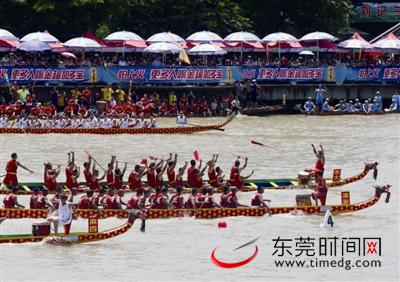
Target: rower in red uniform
110,173
200,197
171,170
320,192
117,201
257,200
87,172
224,197
161,200
233,200
191,176
237,166
135,178
33,198
50,177
198,181
179,176
191,200
85,201
135,201
119,176
209,202
212,174
237,180
159,175
56,198
95,180
177,199
320,164
11,171
97,198
107,200
151,176
72,182
42,201
69,171
10,201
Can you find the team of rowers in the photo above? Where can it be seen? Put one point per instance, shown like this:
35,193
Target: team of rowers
153,194
62,121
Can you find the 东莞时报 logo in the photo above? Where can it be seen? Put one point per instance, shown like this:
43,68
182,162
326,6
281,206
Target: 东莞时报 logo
224,264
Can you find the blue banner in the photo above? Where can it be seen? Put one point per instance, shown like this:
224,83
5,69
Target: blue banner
198,75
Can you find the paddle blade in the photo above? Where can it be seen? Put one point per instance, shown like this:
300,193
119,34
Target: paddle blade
257,143
196,155
143,226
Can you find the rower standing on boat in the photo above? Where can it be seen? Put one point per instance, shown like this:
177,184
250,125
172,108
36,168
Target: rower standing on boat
181,119
11,178
320,164
10,201
63,215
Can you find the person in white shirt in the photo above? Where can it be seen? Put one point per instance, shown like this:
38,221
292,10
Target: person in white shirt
4,121
181,120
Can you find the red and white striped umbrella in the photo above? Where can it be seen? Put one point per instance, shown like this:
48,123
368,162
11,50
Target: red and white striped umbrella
356,42
390,42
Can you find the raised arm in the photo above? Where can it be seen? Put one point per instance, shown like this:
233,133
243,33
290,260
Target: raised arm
247,176
315,151
245,164
24,167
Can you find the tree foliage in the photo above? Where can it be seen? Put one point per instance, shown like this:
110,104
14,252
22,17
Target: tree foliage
67,19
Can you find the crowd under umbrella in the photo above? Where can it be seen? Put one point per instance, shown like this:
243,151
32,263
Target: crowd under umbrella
356,42
390,43
243,39
319,37
125,39
280,39
201,37
207,49
34,46
163,48
82,44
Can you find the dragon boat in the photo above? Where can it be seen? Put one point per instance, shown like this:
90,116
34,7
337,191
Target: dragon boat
302,181
263,110
160,130
302,206
299,109
76,237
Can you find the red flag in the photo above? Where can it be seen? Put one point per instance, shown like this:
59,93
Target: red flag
196,155
257,143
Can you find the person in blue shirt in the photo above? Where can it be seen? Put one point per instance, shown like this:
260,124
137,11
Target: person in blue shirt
357,106
325,106
392,107
309,106
375,106
378,99
366,107
396,97
319,96
350,106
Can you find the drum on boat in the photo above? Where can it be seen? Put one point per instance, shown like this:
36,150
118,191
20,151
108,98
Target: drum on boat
303,177
303,200
41,228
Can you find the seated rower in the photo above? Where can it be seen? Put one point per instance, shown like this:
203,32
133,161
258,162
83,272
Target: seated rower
159,175
224,196
33,199
257,200
50,177
107,200
198,177
97,197
325,106
135,178
117,200
119,175
10,201
42,201
200,197
171,170
233,200
209,202
85,202
191,200
95,179
161,200
178,178
177,199
309,106
357,106
151,174
87,172
320,192
135,201
212,174
237,180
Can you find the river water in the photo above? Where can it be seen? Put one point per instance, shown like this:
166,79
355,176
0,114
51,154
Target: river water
180,249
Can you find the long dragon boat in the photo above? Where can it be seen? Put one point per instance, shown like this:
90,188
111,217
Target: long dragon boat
263,110
102,131
72,238
344,207
249,184
340,113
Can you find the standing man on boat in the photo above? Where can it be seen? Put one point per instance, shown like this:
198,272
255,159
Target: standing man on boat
254,91
320,192
63,215
11,178
320,164
181,119
319,96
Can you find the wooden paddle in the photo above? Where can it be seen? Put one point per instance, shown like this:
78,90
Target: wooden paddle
219,129
87,153
257,143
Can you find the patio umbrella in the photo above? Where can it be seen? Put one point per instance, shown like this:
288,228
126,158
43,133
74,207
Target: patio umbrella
68,54
279,38
207,49
82,43
34,46
163,48
204,37
123,36
306,53
40,36
165,37
243,38
317,36
7,36
356,42
388,43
